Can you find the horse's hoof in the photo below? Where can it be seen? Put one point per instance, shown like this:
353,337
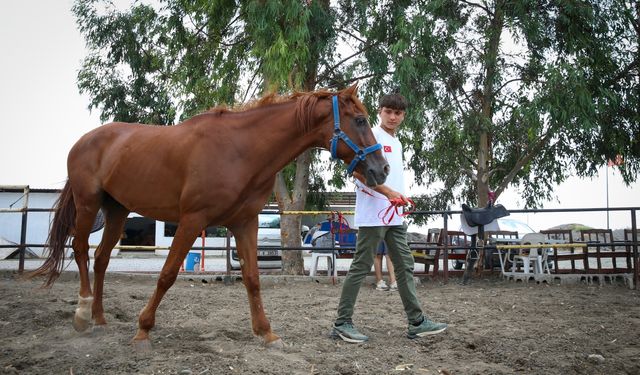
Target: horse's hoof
275,344
80,325
99,330
141,346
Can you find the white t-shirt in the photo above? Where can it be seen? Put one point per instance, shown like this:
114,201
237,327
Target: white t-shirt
371,205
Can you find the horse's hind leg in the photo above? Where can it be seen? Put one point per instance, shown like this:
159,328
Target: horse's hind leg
86,211
115,217
187,232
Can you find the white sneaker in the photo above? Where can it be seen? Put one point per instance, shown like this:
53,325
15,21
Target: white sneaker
393,287
381,285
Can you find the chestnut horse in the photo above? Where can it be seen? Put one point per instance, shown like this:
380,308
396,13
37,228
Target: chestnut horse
217,168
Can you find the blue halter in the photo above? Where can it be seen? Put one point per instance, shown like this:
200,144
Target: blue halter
361,154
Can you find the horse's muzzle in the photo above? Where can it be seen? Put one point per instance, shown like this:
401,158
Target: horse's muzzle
376,176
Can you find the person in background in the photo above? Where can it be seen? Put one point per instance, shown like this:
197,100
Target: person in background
377,267
372,230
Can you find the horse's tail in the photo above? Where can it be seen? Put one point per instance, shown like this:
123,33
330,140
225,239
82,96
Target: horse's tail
61,229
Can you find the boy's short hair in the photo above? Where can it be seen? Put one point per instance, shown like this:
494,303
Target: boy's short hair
393,101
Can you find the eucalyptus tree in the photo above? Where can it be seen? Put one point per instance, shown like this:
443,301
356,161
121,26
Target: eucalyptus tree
509,93
502,93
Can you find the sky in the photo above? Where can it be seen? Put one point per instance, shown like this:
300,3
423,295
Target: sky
42,114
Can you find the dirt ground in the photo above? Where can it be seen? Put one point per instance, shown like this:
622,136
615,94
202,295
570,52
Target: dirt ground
496,327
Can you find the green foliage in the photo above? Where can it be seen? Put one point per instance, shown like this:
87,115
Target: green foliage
124,73
280,33
554,98
542,89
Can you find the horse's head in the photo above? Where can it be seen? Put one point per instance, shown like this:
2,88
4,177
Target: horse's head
353,141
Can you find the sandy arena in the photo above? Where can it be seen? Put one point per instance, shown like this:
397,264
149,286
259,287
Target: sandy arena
496,327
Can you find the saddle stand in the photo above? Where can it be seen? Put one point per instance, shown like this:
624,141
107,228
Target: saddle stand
478,217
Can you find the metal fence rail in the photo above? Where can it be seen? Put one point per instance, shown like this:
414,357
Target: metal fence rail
633,244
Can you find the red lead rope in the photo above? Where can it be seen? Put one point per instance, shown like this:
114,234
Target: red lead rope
342,223
386,215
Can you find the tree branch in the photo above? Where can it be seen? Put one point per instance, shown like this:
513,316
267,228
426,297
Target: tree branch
253,77
461,108
352,35
526,158
476,5
632,65
469,44
331,69
469,173
504,84
367,47
473,163
199,29
220,34
354,79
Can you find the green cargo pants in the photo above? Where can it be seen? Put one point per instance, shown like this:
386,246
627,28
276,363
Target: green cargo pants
398,250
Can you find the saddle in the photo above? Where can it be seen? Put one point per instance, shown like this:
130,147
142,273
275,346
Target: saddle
483,216
98,222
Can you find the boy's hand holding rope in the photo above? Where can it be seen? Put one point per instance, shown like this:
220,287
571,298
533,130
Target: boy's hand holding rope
386,215
396,201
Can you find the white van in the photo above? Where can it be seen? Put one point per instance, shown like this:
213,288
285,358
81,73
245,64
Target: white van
269,244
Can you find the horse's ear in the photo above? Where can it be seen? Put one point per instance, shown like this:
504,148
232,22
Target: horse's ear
352,90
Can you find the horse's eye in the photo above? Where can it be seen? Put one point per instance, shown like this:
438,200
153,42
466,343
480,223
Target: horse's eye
361,121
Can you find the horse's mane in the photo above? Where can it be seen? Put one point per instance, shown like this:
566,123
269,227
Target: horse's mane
306,102
268,99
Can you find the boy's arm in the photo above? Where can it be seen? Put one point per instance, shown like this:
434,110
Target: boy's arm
383,189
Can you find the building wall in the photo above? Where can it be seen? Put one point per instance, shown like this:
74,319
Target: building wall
38,223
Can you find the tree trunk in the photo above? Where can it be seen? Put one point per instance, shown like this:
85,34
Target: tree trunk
482,183
290,225
292,262
486,119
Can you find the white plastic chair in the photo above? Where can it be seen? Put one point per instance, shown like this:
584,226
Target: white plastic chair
331,263
537,255
323,241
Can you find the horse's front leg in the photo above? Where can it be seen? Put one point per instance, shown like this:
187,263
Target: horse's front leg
186,234
246,242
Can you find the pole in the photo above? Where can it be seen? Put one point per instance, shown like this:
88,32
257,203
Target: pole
23,229
607,189
227,276
445,243
202,254
634,238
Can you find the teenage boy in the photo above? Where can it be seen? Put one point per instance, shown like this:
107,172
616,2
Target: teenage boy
372,230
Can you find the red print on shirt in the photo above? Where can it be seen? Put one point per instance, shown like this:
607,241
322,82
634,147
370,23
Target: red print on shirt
387,148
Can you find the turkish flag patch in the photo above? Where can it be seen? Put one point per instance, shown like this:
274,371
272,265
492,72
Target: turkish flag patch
387,148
